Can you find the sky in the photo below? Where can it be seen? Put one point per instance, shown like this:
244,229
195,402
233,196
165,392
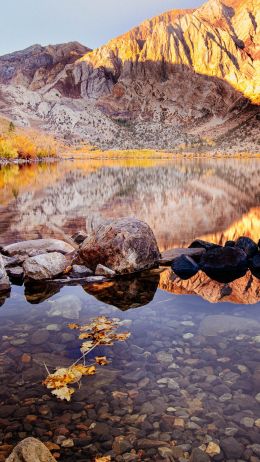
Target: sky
91,22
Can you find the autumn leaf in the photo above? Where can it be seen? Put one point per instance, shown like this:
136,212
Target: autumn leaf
121,337
85,335
63,393
62,377
101,360
73,326
103,459
85,370
86,346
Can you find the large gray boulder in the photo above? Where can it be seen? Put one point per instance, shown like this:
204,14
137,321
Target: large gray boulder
45,266
34,247
30,450
4,279
125,245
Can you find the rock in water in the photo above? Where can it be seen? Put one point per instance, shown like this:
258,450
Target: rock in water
248,245
102,270
125,245
4,280
185,267
30,450
224,264
45,266
255,265
36,247
200,244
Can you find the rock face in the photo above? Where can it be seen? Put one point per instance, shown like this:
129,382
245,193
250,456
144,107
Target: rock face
224,264
36,247
45,266
38,66
4,280
30,450
126,245
214,48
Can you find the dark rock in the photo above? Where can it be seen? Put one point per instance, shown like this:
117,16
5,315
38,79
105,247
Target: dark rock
255,265
125,245
248,245
39,336
200,244
170,255
185,267
230,244
232,448
79,237
199,456
224,264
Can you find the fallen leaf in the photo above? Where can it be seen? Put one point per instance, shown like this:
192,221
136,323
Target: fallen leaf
85,335
73,325
63,393
62,377
101,360
121,337
85,370
86,346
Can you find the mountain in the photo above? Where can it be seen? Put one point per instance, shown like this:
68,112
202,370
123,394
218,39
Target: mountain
38,66
175,79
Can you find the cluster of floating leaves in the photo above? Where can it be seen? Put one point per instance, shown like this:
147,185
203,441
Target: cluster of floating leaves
100,331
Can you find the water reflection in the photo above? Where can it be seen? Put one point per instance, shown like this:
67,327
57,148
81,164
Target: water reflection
180,199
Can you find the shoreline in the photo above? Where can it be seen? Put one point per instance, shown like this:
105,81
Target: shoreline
132,154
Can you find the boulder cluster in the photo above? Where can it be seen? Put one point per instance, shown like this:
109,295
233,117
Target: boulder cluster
117,248
221,263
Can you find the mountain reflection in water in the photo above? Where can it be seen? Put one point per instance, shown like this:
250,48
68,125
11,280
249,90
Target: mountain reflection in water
180,199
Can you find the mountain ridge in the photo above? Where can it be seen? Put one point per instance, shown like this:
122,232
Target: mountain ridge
184,71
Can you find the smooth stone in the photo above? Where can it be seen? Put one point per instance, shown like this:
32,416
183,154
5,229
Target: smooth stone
34,247
169,256
247,245
39,336
232,448
185,267
224,264
45,266
199,456
30,450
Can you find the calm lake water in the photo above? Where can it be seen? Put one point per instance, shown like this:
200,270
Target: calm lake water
189,374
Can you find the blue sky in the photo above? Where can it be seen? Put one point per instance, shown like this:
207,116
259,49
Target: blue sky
91,22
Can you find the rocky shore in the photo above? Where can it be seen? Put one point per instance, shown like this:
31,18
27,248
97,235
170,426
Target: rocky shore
117,249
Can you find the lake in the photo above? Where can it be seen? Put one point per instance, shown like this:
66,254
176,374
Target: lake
189,374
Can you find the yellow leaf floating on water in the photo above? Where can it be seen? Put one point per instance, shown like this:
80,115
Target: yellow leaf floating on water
62,377
85,370
103,459
86,346
73,325
85,335
101,360
63,393
121,337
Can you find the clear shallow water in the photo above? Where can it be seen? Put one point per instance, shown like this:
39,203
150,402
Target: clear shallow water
163,388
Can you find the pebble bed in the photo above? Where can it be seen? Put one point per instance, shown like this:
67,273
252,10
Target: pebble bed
168,390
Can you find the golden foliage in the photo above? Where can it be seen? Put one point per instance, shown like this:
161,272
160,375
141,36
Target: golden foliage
100,331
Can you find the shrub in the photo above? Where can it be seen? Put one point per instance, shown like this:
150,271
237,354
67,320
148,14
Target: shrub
7,149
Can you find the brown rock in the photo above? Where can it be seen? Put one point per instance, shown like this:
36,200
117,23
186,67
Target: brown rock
30,450
125,245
